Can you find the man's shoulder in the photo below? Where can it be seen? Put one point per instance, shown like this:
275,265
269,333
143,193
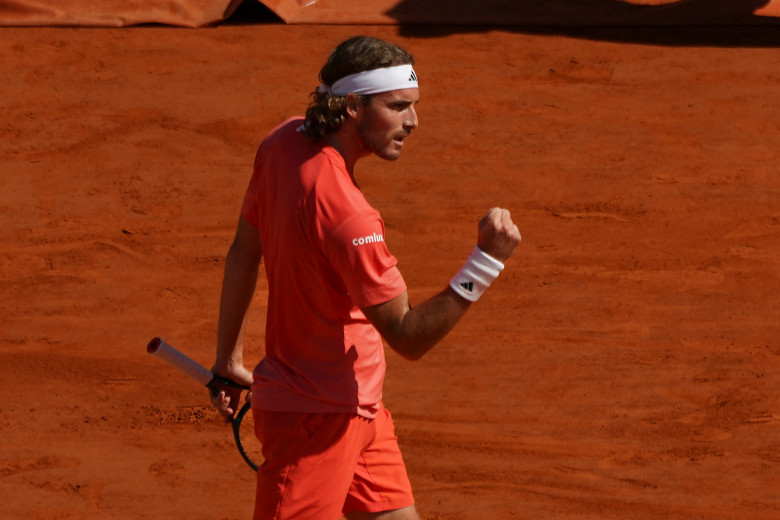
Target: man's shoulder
290,128
285,144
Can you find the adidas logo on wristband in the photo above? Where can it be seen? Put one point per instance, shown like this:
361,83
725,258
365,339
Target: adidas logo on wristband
469,286
476,275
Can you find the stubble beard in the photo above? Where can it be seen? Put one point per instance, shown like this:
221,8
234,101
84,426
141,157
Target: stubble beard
383,149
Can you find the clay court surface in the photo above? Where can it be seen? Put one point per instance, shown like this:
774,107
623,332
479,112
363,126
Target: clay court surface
625,365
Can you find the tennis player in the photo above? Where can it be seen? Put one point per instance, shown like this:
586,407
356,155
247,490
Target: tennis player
334,292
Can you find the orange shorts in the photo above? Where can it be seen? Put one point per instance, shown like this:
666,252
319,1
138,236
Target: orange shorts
321,466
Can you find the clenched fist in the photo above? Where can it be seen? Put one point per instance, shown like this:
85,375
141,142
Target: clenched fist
498,236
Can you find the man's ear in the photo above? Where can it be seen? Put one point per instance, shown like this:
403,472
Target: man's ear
353,104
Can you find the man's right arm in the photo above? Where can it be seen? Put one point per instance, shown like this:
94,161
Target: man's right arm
238,286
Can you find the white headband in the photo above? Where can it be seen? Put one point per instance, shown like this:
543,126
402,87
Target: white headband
373,81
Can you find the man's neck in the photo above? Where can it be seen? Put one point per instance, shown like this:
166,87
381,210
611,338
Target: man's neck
348,144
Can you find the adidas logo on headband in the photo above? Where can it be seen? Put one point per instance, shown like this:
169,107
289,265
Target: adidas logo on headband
374,81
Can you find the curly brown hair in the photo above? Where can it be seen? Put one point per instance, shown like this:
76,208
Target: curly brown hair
326,112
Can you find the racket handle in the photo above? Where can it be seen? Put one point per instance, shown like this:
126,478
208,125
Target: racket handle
158,347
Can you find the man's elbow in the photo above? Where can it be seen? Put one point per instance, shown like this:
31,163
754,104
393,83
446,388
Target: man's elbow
411,351
240,254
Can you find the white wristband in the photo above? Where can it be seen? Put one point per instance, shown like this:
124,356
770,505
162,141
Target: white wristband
476,275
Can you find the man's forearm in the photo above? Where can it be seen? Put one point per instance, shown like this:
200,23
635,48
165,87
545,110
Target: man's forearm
238,287
428,323
413,331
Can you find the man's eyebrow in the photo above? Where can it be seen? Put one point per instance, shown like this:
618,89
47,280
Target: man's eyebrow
404,102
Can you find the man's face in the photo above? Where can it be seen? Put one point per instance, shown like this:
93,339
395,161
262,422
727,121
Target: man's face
386,121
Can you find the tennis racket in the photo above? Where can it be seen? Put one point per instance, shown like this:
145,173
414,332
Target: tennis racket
243,422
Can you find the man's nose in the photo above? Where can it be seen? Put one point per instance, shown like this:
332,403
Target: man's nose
411,121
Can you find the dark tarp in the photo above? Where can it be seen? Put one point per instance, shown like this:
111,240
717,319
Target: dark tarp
197,13
528,12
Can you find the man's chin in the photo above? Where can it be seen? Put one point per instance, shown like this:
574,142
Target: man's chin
389,155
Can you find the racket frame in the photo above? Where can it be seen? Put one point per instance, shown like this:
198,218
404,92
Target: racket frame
162,350
236,423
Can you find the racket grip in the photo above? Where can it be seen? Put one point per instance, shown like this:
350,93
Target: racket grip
158,347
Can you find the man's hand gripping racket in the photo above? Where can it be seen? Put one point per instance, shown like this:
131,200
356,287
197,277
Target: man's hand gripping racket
242,422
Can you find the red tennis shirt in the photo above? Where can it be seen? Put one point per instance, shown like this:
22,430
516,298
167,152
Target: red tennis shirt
325,257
